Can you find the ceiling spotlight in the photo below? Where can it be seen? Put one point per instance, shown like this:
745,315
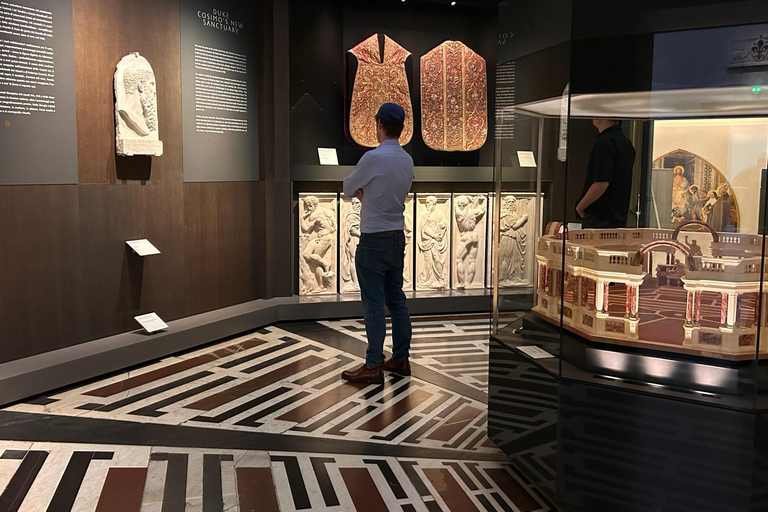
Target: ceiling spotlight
453,3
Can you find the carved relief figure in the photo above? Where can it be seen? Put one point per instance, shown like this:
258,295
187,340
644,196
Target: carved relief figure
379,79
512,242
469,214
136,119
454,98
317,245
350,233
432,245
408,230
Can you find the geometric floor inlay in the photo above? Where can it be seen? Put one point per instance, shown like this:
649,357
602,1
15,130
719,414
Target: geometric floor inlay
277,430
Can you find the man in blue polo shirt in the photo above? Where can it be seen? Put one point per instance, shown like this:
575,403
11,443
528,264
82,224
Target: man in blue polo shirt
381,180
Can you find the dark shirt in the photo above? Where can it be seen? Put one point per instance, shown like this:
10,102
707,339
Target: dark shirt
611,160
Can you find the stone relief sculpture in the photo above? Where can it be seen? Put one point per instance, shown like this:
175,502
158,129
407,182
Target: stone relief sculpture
350,237
136,122
515,231
408,230
454,98
432,242
469,232
317,244
379,79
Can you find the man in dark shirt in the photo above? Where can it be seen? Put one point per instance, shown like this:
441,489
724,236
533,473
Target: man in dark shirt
605,198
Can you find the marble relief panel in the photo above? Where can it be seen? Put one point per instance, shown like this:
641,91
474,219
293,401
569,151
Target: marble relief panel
349,238
432,240
408,229
470,214
517,243
318,232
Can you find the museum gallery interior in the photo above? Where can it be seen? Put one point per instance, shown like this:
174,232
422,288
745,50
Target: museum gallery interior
179,290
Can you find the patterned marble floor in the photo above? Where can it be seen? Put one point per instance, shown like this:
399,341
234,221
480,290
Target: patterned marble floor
263,422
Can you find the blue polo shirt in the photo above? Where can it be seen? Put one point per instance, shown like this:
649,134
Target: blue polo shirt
385,175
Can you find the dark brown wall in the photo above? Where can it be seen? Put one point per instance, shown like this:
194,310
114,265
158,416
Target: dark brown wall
68,277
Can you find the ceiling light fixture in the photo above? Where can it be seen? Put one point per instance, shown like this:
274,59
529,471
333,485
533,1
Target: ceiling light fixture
453,3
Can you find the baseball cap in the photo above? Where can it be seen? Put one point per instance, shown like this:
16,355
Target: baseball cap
391,113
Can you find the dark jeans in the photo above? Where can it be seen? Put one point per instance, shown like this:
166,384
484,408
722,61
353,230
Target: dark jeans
379,262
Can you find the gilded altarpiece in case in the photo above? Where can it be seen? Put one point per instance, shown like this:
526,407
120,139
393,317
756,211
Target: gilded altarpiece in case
433,236
470,214
318,232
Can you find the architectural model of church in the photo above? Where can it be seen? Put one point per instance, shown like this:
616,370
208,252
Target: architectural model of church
676,290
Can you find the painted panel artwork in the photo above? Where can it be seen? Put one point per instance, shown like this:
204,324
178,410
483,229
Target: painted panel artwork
454,98
379,79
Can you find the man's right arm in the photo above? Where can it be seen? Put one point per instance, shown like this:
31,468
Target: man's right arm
360,176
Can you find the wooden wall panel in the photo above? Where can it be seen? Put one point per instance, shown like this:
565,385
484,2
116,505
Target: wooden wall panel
68,277
116,284
221,220
106,31
39,310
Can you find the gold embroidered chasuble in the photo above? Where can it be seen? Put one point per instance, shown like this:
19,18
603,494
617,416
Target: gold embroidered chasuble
454,98
378,81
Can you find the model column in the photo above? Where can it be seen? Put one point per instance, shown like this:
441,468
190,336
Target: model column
577,295
689,307
601,296
633,298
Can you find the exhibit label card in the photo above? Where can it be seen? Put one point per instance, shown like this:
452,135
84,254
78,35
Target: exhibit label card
535,352
328,156
142,247
526,159
38,134
218,90
151,322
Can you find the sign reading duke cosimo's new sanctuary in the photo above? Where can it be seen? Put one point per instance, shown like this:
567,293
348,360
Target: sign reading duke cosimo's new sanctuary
38,140
218,76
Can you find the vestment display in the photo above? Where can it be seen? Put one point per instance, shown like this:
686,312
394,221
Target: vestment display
379,79
454,98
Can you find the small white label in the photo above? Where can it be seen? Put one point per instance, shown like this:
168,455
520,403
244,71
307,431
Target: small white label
142,247
151,322
526,159
328,156
535,352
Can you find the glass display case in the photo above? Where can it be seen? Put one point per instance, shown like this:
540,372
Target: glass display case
644,342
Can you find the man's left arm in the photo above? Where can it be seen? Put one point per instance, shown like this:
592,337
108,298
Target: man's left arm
604,159
360,176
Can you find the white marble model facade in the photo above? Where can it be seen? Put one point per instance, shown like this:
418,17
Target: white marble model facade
349,237
136,122
666,286
432,240
318,232
408,213
470,215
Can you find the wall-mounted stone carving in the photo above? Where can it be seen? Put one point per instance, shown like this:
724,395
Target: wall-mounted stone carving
136,122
